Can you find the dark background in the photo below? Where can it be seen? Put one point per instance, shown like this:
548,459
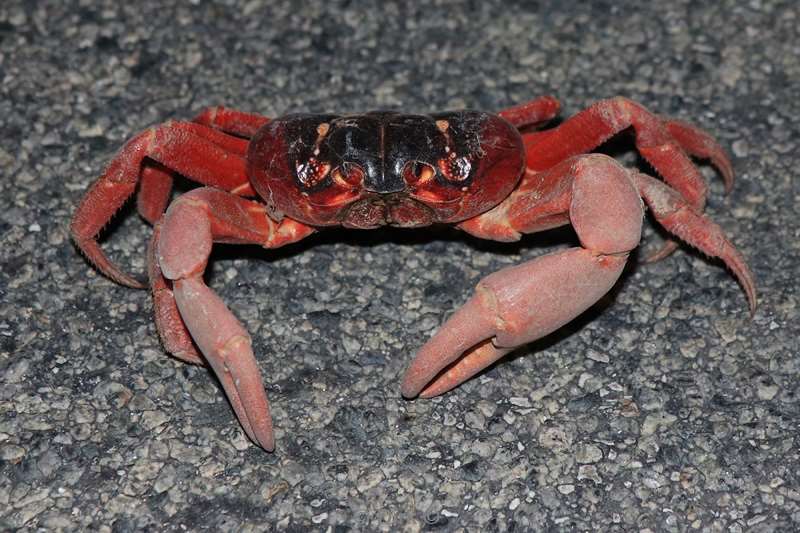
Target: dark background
664,407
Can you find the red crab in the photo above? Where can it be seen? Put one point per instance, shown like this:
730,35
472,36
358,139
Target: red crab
472,169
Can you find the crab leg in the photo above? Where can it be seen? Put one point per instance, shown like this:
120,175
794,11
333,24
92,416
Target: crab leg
190,311
155,183
155,186
681,220
231,121
519,304
654,140
662,141
533,113
202,154
171,329
700,144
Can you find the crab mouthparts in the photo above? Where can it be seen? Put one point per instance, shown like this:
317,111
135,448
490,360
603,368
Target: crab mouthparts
388,210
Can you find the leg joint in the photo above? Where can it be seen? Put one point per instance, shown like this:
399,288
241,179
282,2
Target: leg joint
606,209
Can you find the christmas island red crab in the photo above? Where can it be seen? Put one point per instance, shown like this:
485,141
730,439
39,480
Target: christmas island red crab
494,176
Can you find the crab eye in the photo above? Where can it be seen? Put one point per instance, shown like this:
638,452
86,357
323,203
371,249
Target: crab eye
312,172
348,175
418,172
455,168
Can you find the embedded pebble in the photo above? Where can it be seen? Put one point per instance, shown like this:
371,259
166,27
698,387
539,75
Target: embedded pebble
588,453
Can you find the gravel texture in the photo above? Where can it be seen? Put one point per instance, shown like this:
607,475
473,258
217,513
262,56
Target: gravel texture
665,407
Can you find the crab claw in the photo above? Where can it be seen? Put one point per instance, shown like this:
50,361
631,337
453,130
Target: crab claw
511,307
227,348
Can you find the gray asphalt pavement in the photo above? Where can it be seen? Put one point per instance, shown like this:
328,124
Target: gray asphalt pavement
666,407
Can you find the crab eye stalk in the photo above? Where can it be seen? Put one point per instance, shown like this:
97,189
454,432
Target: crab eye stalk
418,173
312,172
348,175
455,169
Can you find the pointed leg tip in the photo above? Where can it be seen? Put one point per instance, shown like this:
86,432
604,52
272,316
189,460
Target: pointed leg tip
725,167
741,271
118,276
728,185
662,253
92,251
749,284
752,299
133,283
745,278
268,444
720,160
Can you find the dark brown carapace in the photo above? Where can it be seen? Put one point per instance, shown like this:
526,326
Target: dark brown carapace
385,168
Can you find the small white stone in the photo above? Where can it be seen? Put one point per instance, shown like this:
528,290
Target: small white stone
651,483
589,472
588,453
740,148
767,391
519,401
597,356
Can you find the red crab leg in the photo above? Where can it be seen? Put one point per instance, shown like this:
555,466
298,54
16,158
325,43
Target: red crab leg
519,304
155,183
533,113
171,329
683,221
701,145
231,121
190,311
155,186
195,151
661,143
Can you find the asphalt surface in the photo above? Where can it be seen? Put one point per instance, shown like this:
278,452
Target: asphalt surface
665,407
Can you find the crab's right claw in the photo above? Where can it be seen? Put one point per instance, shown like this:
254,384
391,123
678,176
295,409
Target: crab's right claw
510,308
227,348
